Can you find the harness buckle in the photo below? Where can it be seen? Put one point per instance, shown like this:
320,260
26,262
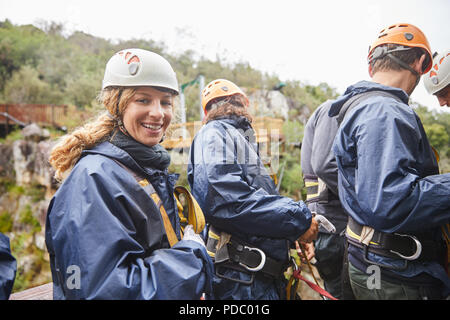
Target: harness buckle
261,264
418,248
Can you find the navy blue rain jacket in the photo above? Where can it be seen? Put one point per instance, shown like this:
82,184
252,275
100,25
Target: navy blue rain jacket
103,226
388,173
237,194
8,268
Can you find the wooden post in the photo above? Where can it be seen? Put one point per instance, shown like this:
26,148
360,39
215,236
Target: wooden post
7,120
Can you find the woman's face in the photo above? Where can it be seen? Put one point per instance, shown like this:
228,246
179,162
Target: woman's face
148,115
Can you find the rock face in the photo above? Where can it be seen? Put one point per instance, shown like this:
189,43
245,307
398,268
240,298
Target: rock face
30,162
26,163
268,103
26,187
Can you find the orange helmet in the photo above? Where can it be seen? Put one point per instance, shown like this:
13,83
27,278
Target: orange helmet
220,88
404,34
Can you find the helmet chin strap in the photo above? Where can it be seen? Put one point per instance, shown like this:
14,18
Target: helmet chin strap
406,66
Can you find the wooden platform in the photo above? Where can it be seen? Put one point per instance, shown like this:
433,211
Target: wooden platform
43,292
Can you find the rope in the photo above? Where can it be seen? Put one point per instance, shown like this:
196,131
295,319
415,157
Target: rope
297,274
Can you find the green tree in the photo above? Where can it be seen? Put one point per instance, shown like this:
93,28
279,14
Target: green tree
437,135
25,86
19,46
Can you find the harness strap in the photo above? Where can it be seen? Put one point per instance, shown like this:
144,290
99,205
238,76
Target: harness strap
228,251
150,190
396,245
357,98
195,214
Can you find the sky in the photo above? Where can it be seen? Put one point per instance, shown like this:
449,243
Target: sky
311,41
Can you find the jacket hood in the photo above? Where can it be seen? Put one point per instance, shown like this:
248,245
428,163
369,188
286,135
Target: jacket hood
361,87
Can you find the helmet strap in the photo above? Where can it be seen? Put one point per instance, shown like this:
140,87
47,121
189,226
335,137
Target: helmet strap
405,66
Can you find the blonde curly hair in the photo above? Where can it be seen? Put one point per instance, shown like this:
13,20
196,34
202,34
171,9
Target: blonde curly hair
68,149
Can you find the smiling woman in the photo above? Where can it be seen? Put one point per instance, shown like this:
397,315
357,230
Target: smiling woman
148,115
102,221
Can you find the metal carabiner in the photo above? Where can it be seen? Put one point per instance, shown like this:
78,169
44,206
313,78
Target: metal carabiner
261,264
418,248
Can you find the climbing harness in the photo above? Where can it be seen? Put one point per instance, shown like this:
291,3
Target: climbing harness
194,216
392,245
229,252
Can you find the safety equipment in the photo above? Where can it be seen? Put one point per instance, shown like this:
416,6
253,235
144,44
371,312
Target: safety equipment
392,245
294,279
404,34
189,234
138,67
220,88
439,76
229,251
194,215
195,221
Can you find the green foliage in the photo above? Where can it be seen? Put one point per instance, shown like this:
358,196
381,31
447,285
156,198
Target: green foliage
293,132
25,86
36,192
19,46
22,245
15,190
27,218
437,128
6,222
292,179
14,135
437,135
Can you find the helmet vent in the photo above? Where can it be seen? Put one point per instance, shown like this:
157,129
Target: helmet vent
133,68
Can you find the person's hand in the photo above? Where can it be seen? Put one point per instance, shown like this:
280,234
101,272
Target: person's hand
311,233
306,251
189,234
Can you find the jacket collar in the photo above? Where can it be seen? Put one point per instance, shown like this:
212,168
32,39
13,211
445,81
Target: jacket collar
238,122
361,87
109,150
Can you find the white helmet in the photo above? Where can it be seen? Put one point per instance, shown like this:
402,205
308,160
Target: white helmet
439,76
138,67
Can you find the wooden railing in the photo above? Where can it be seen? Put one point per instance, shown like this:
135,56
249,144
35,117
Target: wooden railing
42,114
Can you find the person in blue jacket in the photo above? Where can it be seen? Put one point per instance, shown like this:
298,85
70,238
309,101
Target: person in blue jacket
251,227
388,176
106,236
8,268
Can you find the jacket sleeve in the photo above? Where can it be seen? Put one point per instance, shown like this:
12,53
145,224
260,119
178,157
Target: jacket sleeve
8,268
221,183
92,232
388,153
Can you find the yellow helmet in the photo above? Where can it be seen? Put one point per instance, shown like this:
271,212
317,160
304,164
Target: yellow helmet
220,88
